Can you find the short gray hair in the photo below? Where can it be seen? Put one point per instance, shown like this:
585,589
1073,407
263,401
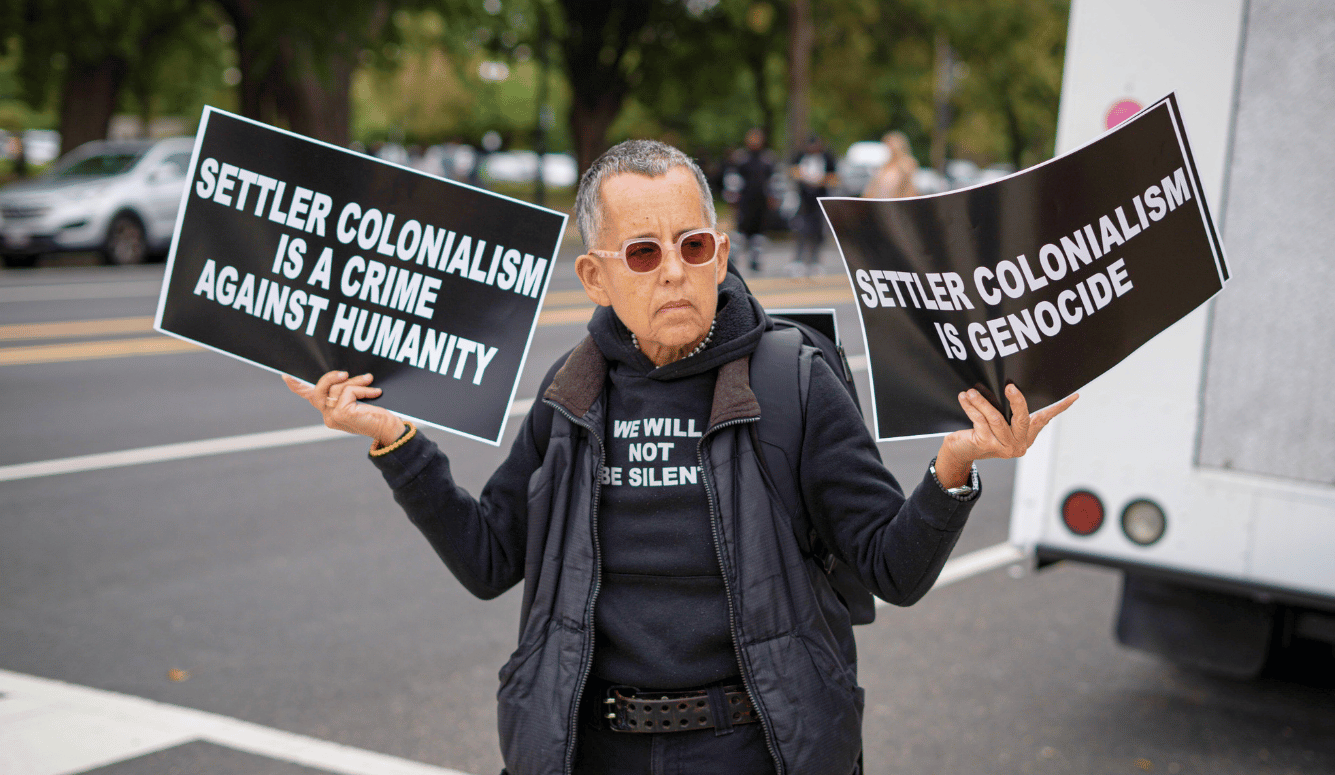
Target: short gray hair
650,158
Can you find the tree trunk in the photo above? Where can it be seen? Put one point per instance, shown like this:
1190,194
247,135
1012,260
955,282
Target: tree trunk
87,100
261,77
1015,134
317,104
942,93
590,117
284,85
801,40
756,63
598,34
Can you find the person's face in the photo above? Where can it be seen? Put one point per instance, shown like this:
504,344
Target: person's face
755,139
671,307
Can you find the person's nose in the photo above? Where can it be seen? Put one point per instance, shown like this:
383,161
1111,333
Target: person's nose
674,268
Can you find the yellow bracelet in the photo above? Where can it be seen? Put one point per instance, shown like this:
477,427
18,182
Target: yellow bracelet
377,450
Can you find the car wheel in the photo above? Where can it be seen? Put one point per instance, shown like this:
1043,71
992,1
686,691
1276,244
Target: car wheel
126,241
20,260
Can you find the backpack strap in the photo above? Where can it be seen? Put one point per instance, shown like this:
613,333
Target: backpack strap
778,438
779,433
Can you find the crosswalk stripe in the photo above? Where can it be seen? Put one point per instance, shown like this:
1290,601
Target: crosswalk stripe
57,728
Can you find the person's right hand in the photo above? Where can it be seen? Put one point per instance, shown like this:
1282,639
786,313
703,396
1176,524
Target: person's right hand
335,397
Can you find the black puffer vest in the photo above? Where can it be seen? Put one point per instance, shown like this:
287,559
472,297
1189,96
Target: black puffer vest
792,635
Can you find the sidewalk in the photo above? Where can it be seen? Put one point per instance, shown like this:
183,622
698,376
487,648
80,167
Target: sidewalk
54,728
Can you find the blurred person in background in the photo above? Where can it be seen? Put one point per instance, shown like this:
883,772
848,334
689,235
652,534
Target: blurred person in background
894,180
754,164
19,155
814,171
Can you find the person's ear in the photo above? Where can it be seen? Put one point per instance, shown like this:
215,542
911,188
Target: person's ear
721,270
592,274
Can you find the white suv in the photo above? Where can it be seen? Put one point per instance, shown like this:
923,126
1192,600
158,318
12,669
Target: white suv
116,197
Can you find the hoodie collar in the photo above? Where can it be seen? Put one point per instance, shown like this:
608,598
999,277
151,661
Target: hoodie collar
741,322
738,323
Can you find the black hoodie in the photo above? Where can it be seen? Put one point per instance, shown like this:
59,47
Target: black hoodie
661,620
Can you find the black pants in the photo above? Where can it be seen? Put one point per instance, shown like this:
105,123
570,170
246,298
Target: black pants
601,751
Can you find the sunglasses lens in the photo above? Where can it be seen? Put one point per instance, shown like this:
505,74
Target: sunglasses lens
698,248
643,256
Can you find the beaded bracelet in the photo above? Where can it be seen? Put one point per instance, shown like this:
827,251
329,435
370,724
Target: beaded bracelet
377,450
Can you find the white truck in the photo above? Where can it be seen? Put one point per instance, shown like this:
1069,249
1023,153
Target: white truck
1203,466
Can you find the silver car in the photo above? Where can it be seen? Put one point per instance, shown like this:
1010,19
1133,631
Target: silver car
116,197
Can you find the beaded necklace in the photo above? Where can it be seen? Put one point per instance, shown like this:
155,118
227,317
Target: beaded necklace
708,337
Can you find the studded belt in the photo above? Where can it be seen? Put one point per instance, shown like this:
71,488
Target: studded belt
628,711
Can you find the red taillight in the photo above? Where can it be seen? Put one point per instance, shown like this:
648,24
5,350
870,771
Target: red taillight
1082,511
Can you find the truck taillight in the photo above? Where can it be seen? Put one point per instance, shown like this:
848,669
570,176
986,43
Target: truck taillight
1143,521
1082,512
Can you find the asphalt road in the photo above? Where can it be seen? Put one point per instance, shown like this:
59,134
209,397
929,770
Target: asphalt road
294,594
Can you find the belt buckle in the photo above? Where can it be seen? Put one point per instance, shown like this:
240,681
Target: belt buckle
610,713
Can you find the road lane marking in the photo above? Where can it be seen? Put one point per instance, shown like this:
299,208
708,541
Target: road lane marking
163,453
72,328
166,452
83,351
243,443
124,289
157,345
56,728
564,315
974,564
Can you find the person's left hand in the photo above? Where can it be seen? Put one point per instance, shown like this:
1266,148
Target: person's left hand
991,436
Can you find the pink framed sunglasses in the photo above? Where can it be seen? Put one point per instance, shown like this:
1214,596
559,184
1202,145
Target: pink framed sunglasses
644,254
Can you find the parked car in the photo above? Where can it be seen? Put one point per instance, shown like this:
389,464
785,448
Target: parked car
41,145
558,169
116,197
860,162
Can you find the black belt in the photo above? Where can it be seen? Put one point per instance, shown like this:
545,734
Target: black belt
625,710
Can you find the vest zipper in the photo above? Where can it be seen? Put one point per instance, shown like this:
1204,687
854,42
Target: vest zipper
597,584
727,587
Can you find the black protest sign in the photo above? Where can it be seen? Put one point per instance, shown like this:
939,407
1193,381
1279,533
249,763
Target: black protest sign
303,258
1045,279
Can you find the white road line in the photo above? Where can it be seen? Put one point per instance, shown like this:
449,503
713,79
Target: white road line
73,291
243,443
165,452
56,728
973,564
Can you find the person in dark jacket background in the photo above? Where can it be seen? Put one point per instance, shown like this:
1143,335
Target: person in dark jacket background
754,164
670,621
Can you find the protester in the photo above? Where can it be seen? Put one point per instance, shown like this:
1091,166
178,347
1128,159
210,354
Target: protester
894,179
694,588
754,164
814,171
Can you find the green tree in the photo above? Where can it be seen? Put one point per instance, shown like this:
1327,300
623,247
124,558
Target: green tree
84,53
297,57
703,78
1014,52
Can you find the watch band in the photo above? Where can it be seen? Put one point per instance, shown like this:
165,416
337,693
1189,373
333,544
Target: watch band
959,493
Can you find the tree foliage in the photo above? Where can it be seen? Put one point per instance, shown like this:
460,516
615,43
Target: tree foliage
695,72
85,53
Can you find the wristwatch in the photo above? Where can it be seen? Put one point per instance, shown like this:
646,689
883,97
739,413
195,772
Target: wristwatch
959,493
